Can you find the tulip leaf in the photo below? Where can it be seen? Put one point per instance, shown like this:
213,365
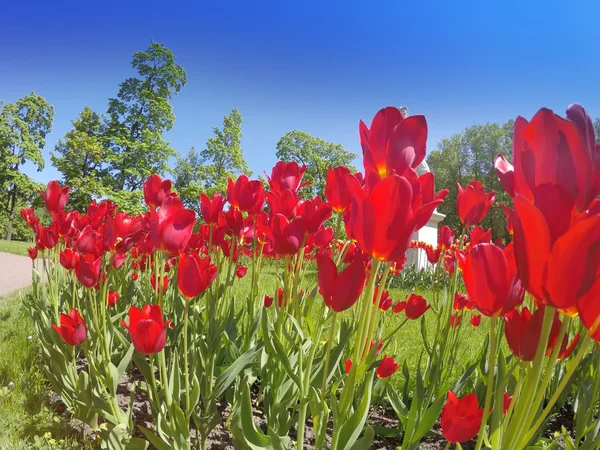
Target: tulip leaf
397,404
116,438
320,415
428,419
229,375
114,377
154,439
194,394
365,442
352,427
125,361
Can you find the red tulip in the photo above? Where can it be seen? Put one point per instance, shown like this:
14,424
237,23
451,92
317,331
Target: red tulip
55,197
323,237
446,237
72,328
491,279
88,241
336,190
340,290
163,286
287,175
416,306
288,236
245,195
172,226
455,320
28,215
112,298
460,300
33,252
506,174
87,269
135,276
194,274
268,301
241,271
393,143
348,365
478,236
473,203
147,329
387,367
399,307
475,320
383,221
284,202
314,212
506,402
461,418
211,207
156,190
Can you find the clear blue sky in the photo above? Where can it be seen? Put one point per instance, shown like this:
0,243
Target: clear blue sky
313,66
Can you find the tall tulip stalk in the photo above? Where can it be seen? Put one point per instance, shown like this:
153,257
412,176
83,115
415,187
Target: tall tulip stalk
154,302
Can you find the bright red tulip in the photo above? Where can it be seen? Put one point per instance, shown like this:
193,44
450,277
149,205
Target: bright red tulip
194,274
163,286
87,269
55,197
416,306
241,271
383,221
446,237
268,300
284,202
147,329
72,328
506,174
475,320
491,279
288,236
348,365
460,300
287,175
28,215
314,212
245,195
393,143
506,402
399,307
340,290
33,252
478,236
473,203
387,367
323,237
68,258
172,226
336,188
455,320
156,190
211,207
461,418
112,298
88,241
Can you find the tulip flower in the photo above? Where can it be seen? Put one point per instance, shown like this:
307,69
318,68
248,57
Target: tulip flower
336,191
287,175
473,203
478,236
348,365
28,215
455,321
383,220
506,402
267,300
323,237
87,269
33,252
55,197
156,190
476,320
288,237
194,274
416,306
89,240
387,367
72,328
284,202
461,418
446,237
172,226
245,195
399,307
147,329
393,143
241,271
460,300
314,212
135,276
491,279
112,298
210,208
164,284
340,290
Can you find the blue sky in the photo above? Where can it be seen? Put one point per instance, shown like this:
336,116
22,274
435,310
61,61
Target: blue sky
313,66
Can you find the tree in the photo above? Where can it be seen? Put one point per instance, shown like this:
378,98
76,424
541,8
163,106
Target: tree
470,156
317,154
80,157
189,173
597,130
24,126
139,116
223,156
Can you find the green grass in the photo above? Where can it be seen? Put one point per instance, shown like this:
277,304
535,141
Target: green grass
26,420
14,247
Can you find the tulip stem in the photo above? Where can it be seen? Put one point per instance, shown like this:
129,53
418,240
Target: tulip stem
364,315
328,354
375,307
490,382
153,382
188,407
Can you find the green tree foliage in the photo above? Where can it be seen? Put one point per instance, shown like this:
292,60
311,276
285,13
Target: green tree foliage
189,174
597,130
317,154
470,156
80,157
24,125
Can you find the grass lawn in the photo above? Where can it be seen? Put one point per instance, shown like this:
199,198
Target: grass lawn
14,247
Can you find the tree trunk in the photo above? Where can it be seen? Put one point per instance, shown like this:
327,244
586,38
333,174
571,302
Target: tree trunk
11,213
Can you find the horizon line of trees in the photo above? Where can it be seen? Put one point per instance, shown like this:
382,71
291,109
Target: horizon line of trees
110,154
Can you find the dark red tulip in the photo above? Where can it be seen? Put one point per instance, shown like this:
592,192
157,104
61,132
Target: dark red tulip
490,276
399,307
135,276
88,241
288,237
507,399
55,197
340,290
287,175
112,298
323,237
461,418
72,328
455,320
460,300
478,236
171,226
473,203
446,237
383,221
387,367
241,271
156,190
163,286
68,258
245,195
268,300
194,274
475,320
393,143
147,329
211,207
33,252
87,269
314,212
416,306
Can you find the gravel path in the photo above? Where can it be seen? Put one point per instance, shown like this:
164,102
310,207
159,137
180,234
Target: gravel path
15,272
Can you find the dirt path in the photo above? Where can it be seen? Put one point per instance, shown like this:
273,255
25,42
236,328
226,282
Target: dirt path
15,272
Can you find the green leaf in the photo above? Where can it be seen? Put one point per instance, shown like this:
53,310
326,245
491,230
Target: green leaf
428,419
397,404
154,439
126,360
227,377
351,429
364,443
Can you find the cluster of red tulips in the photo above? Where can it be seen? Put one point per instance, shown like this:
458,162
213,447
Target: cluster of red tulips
112,278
